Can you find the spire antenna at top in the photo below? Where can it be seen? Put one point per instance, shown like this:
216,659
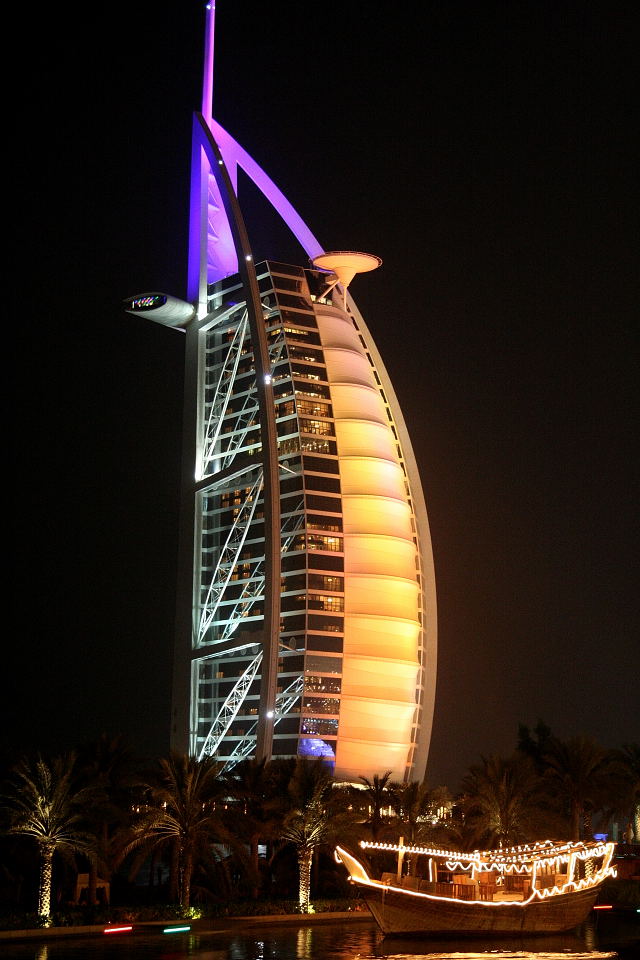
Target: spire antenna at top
207,76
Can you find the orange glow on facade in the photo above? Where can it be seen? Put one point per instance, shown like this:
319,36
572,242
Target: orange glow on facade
381,655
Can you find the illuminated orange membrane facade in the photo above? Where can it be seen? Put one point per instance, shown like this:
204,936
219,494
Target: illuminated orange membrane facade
382,670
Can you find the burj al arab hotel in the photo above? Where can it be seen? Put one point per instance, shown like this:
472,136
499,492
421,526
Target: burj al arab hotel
306,621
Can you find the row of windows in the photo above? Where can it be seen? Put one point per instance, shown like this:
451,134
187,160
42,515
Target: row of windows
324,643
321,464
318,664
313,684
282,283
231,669
316,581
321,705
318,374
321,727
313,623
289,662
326,624
321,428
321,601
320,581
289,300
328,504
313,408
235,497
302,351
311,601
304,319
294,445
314,392
315,541
299,333
315,561
316,703
328,524
326,484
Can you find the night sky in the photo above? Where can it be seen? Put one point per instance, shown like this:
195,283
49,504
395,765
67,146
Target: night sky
483,151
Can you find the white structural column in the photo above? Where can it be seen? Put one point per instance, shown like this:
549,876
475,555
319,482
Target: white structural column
382,627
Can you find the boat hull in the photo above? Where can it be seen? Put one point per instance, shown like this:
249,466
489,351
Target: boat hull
398,913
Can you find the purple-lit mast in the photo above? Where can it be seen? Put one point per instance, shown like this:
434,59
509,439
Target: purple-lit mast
212,253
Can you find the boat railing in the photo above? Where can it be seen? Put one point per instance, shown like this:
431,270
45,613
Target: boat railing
516,874
511,888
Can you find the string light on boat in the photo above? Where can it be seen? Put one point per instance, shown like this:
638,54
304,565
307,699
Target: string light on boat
543,857
605,851
545,852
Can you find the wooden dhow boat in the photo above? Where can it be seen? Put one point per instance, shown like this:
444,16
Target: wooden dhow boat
534,889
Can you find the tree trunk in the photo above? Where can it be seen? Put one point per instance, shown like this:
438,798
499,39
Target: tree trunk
255,867
576,820
174,871
376,822
305,858
44,891
153,867
186,871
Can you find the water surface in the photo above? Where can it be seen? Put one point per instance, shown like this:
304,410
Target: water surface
350,941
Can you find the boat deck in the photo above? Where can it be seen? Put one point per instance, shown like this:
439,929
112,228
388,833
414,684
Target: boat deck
514,889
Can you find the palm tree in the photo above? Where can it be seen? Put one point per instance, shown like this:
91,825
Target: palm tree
43,802
377,795
180,813
317,815
577,771
410,802
631,759
259,800
107,764
535,746
501,798
626,802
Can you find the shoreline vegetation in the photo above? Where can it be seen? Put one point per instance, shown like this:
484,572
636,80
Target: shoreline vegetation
99,836
622,894
213,917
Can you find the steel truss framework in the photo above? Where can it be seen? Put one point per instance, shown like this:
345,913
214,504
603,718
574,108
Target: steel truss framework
228,418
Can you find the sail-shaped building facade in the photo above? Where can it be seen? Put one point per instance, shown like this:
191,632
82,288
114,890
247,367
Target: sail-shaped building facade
306,604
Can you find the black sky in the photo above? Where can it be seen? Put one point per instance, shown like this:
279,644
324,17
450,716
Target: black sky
485,153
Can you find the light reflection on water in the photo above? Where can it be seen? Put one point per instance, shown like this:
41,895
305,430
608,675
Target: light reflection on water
357,941
503,955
